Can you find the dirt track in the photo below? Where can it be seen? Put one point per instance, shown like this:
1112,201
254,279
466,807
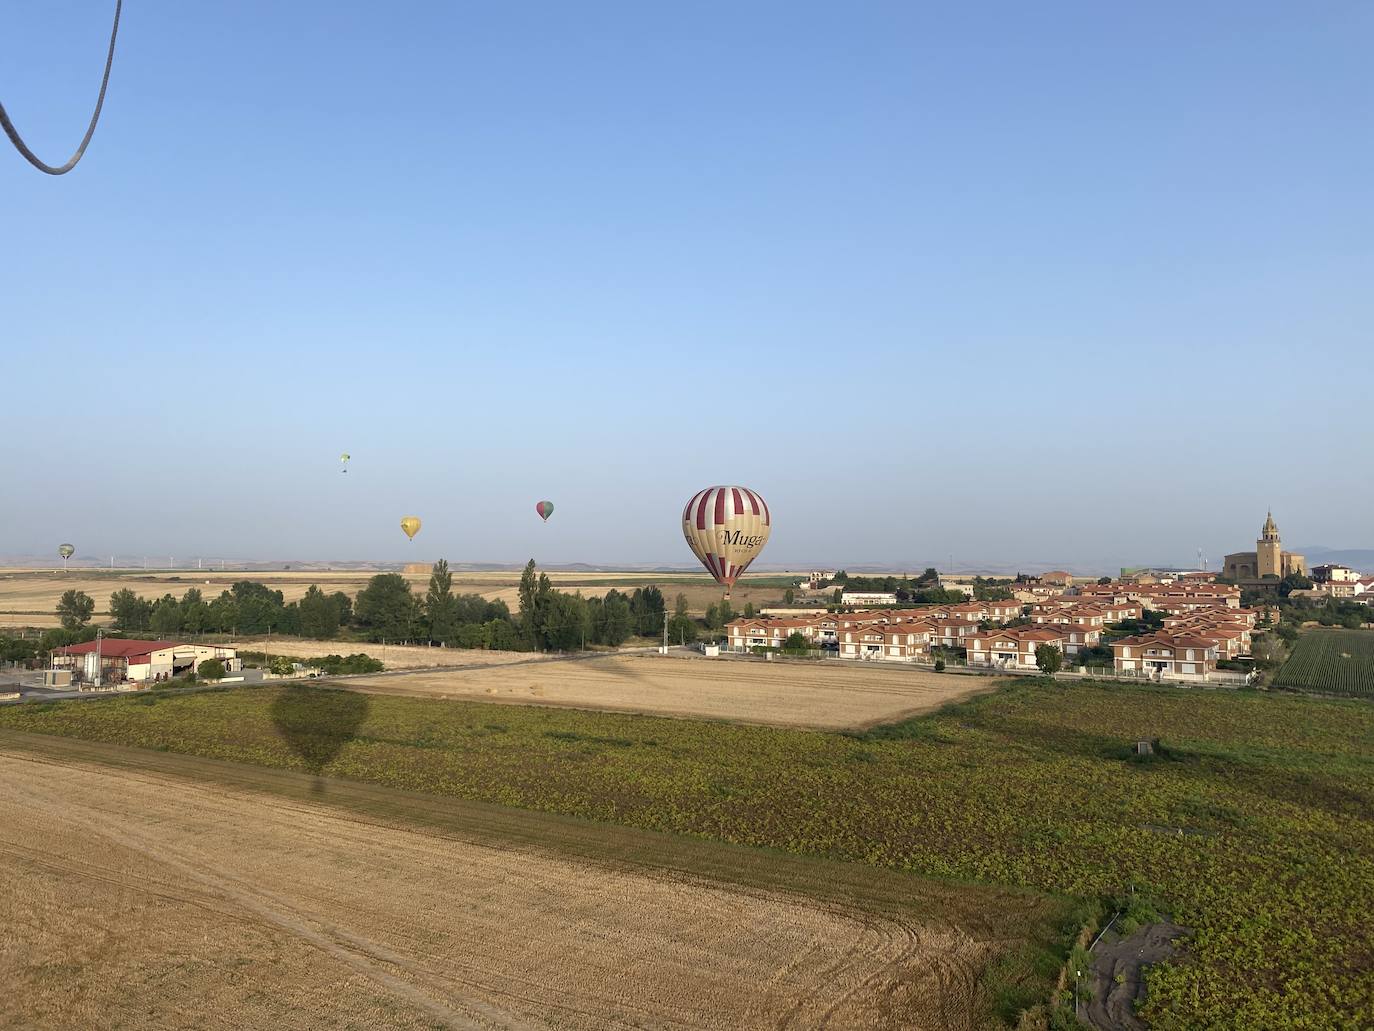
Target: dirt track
133,897
825,695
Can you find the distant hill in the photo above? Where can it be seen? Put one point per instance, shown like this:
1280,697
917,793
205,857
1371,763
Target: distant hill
1361,559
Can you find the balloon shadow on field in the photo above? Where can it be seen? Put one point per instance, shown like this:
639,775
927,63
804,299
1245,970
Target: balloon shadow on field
316,723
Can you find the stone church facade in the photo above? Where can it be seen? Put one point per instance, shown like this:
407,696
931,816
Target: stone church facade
1267,560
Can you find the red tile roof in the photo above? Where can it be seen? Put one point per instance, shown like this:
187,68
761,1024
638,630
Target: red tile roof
117,647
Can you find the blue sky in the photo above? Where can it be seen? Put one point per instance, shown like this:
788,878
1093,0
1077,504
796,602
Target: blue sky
1062,282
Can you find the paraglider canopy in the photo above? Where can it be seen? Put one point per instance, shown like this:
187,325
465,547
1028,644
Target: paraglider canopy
545,509
726,528
343,460
411,526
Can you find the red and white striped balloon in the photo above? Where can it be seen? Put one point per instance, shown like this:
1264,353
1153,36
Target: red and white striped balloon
726,528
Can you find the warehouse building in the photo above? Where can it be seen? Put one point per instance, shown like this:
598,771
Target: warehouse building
122,661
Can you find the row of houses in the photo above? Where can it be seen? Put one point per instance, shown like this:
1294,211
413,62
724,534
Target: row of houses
1203,624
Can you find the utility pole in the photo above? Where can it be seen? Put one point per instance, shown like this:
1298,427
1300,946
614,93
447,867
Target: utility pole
99,632
665,631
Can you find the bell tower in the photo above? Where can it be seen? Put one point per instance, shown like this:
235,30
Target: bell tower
1268,550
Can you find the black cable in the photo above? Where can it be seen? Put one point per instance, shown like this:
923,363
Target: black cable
33,158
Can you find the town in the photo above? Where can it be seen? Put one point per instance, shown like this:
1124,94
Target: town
1154,624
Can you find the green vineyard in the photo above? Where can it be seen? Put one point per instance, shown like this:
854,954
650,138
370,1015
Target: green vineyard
1339,662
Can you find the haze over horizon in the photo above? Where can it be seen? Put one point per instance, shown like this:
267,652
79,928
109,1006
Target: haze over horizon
1077,284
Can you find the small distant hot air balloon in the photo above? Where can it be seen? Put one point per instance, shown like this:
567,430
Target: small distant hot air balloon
66,551
343,461
726,528
411,526
545,509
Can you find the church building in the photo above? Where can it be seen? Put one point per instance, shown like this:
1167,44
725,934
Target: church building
1267,560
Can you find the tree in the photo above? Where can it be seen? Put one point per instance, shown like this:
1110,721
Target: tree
1294,582
788,596
534,602
74,608
647,606
386,609
1049,658
344,604
713,620
441,610
257,607
614,624
748,610
318,615
193,612
129,611
682,628
222,613
566,625
796,644
1269,649
281,666
211,669
1103,581
166,617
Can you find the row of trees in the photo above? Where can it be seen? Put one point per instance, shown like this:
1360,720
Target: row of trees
386,609
246,608
921,590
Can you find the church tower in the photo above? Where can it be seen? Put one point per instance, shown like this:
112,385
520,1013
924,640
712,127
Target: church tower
1268,552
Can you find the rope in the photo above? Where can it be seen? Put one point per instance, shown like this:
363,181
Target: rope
33,158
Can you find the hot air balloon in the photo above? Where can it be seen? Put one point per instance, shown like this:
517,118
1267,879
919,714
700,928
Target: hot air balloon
343,460
545,509
411,526
66,551
726,528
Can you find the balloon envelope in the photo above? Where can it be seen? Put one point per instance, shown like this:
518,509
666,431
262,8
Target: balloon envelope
726,528
66,551
545,509
411,526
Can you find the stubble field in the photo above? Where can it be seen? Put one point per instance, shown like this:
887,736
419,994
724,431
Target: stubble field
152,890
29,597
825,695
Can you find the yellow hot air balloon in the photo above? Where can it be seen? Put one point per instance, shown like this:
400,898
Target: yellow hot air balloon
411,526
726,528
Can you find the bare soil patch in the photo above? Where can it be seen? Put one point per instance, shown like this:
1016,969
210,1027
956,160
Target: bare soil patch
133,896
1114,1002
823,695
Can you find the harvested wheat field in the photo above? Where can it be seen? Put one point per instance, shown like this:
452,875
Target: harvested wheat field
143,890
394,656
826,695
29,597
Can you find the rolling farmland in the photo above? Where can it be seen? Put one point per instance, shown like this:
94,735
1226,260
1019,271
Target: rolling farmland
1251,826
141,889
1338,662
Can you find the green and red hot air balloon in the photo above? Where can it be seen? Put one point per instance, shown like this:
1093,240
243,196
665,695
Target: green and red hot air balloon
545,509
